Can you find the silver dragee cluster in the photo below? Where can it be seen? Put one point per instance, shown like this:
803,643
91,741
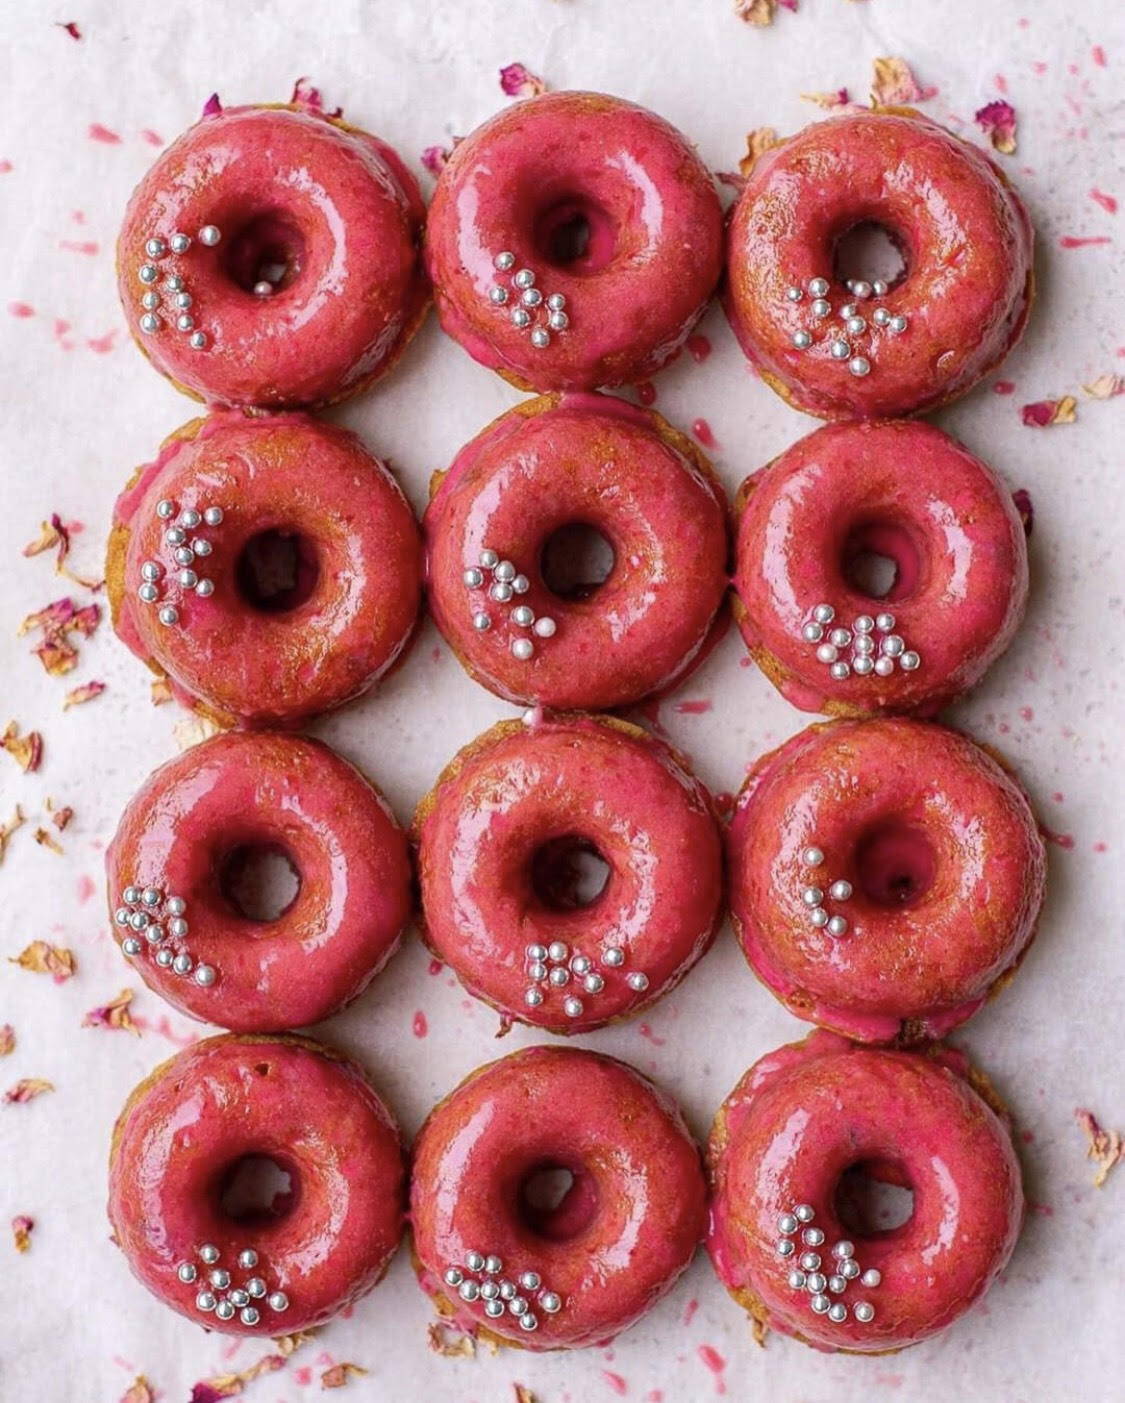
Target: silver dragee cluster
814,897
219,1293
554,966
174,298
157,579
852,324
158,924
809,1272
481,1279
504,583
530,310
869,646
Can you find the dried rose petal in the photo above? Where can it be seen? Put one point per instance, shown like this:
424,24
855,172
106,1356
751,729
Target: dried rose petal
339,1374
70,27
114,1014
17,820
27,1089
40,957
516,80
231,1385
759,13
998,122
306,95
761,139
893,84
1022,498
193,729
22,1227
212,107
53,535
7,1039
57,621
731,178
449,1342
1105,386
1045,412
57,656
523,1395
289,1344
26,751
160,691
139,1391
1105,1147
44,839
839,98
87,692
435,157
59,817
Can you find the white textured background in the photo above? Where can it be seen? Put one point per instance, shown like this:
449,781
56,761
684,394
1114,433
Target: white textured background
74,422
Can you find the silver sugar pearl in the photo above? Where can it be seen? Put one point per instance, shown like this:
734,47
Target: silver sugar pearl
524,278
493,1265
150,301
859,365
187,1272
837,926
558,950
494,1308
205,1301
521,584
185,322
580,964
263,288
533,997
164,957
545,627
840,891
148,593
507,1290
131,945
856,326
149,273
241,1297
224,1310
864,645
898,324
190,518
804,1212
150,323
248,1258
180,243
879,287
220,1278
637,981
183,300
884,666
840,350
838,1312
558,321
810,1261
531,297
871,1277
481,622
849,309
522,616
818,287
540,338
537,970
813,1236
802,340
812,857
184,555
820,308
824,613
880,316
474,1261
209,1253
559,977
556,302
249,1315
862,666
489,559
174,283
529,1280
518,1305
864,1312
175,536
849,1268
797,1280
204,976
188,579
278,1301
182,964
893,645
884,622
205,588
121,916
593,983
501,592
819,917
131,895
198,340
528,1321
826,653
785,1247
498,295
812,896
550,1301
815,1282
909,661
820,1304
812,633
840,637
836,1284
504,261
201,546
178,926
156,248
523,649
861,289
468,1290
472,578
209,235
794,294
864,623
213,515
521,317
614,957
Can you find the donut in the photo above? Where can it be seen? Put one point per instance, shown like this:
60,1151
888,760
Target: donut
502,840
573,241
269,568
542,470
184,850
496,1257
271,257
786,1150
218,1109
848,495
886,876
842,347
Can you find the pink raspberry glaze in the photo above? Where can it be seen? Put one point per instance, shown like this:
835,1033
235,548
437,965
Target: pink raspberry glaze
964,235
287,794
902,490
495,836
332,205
944,856
185,1128
578,458
649,266
801,1117
618,1240
358,577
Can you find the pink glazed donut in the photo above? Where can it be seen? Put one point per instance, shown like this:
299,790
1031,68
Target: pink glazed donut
908,493
269,567
886,877
271,257
501,838
846,348
539,471
182,856
573,240
788,1239
189,1131
516,1273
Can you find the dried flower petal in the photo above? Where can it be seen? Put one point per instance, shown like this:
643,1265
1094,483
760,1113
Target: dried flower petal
339,1374
40,957
1105,386
305,95
449,1342
893,84
7,829
523,1395
839,98
7,1039
212,107
54,535
59,817
27,1089
22,1227
1022,498
87,692
1045,412
70,27
435,157
998,122
114,1014
289,1344
139,1391
160,691
761,139
192,729
516,80
759,13
57,621
44,839
26,751
1105,1147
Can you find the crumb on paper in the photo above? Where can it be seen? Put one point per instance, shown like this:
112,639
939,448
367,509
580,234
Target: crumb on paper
338,1375
77,696
306,95
47,840
139,1391
114,1014
998,122
53,535
450,1342
517,80
1045,412
761,139
22,1227
17,820
7,1039
25,750
893,84
1104,1147
40,957
27,1089
1105,387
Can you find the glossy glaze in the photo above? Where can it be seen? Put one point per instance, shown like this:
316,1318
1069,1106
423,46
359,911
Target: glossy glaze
628,1226
346,216
651,263
964,235
911,493
294,475
803,1115
549,463
282,793
286,1098
900,809
520,787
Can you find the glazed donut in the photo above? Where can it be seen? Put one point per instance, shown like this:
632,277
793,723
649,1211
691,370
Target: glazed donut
173,870
271,256
780,1148
573,241
897,489
500,842
886,876
230,501
517,1273
541,468
178,1146
858,349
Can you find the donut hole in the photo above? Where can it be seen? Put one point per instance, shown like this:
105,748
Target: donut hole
557,1201
277,571
267,248
868,251
575,233
881,560
259,881
257,1188
895,864
568,873
873,1197
576,560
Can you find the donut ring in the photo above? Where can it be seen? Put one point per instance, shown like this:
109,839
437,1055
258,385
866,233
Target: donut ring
497,837
323,213
782,1141
941,857
622,1234
185,832
510,199
183,1133
238,655
909,493
963,297
545,466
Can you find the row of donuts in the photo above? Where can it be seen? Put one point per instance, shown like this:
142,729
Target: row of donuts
572,242
504,1261
231,497
884,876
